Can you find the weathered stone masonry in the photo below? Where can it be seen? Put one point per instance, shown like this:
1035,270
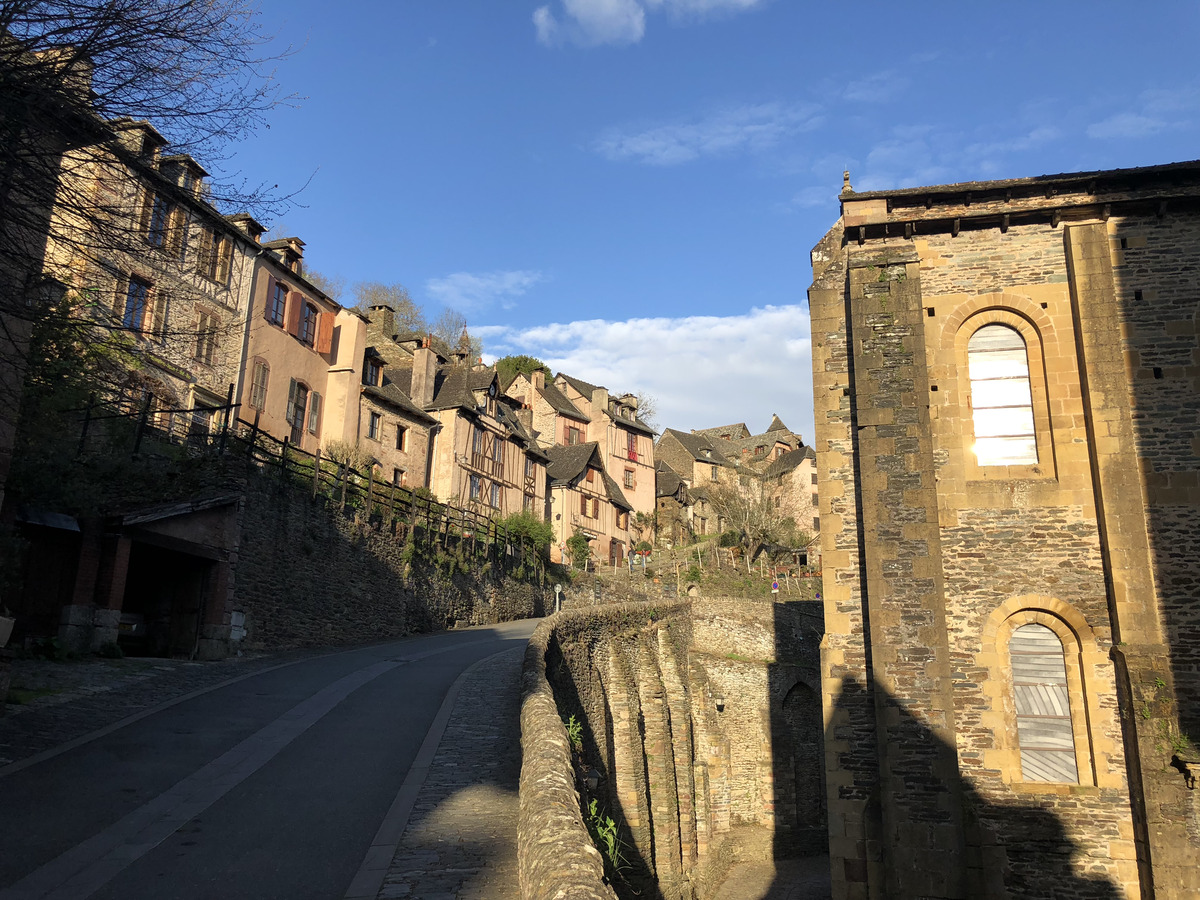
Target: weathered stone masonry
703,720
933,560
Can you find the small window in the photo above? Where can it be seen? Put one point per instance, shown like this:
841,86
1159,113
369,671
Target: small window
495,499
816,523
297,406
714,473
399,477
573,435
591,476
314,413
1001,400
529,468
477,441
258,385
498,449
814,477
476,487
527,504
401,437
308,324
136,298
371,370
1043,705
374,425
815,499
277,304
629,478
206,339
631,446
156,226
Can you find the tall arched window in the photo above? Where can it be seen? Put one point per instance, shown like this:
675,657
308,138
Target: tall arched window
1044,732
1001,402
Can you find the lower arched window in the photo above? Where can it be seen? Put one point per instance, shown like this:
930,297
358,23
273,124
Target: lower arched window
1043,705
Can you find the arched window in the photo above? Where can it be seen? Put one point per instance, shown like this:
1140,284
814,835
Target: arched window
1001,401
1043,704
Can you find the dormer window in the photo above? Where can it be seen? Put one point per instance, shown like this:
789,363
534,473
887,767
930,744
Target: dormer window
371,371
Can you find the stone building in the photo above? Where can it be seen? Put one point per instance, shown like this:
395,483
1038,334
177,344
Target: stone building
584,499
1007,417
696,457
475,446
300,378
568,411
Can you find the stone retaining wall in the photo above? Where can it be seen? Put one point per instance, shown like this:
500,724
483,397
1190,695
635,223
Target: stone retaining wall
701,722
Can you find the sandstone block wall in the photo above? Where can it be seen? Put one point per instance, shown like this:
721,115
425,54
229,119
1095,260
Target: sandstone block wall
701,718
932,560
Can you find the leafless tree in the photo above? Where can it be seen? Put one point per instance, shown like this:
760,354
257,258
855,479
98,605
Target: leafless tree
71,72
752,512
409,315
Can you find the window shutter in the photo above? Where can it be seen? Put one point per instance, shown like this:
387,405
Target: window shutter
324,332
314,413
204,252
291,404
583,505
147,208
295,306
270,297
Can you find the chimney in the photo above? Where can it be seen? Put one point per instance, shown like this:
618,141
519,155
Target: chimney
539,380
599,403
383,319
424,374
525,417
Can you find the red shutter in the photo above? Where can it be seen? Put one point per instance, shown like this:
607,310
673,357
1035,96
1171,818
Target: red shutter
270,297
295,305
325,332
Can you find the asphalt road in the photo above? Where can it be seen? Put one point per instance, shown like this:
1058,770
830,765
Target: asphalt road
273,786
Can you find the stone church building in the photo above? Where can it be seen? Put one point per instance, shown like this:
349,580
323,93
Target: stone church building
1007,437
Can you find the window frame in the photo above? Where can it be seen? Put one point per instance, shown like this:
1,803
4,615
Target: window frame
277,304
258,393
1035,351
374,425
306,332
133,315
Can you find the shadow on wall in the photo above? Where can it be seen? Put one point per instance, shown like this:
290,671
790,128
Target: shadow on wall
1003,849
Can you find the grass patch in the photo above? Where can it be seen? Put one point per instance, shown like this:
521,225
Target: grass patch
18,696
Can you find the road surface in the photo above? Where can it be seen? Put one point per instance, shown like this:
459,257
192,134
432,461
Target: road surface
277,785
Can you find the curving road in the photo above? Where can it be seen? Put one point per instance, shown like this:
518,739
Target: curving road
292,783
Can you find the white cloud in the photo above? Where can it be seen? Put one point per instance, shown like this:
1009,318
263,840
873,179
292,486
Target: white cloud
739,129
473,293
703,370
1155,111
875,88
593,22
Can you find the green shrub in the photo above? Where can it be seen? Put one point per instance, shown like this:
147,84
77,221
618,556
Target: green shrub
693,573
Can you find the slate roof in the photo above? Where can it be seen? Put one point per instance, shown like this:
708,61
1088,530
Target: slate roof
634,424
666,481
560,404
389,392
582,386
789,461
569,463
700,446
735,432
777,425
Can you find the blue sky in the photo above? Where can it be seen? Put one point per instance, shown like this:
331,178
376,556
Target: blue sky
629,189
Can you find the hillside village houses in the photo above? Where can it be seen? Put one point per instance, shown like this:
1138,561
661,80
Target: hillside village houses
775,465
217,328
602,462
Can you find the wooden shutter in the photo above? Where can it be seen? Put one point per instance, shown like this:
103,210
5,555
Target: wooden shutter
270,298
160,301
295,306
324,332
583,505
204,253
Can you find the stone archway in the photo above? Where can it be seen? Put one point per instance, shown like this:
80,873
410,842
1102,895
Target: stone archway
800,764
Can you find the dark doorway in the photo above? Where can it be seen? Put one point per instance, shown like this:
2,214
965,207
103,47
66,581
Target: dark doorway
164,601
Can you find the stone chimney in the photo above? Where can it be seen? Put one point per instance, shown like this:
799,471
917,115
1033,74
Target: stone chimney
539,380
424,375
599,403
525,417
382,319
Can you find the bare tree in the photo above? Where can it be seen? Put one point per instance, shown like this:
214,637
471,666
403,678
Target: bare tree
85,190
451,327
752,512
647,409
409,316
334,286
